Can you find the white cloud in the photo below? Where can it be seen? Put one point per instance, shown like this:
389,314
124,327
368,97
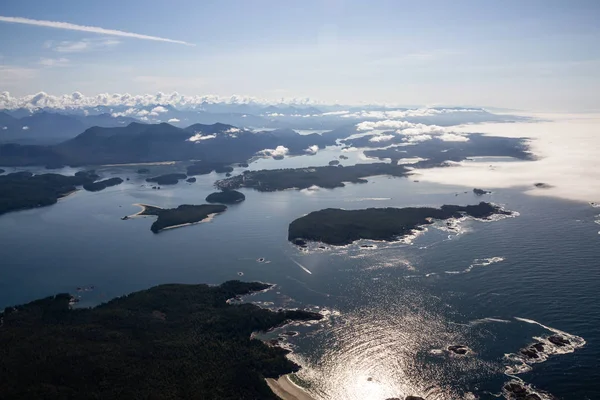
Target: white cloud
453,137
381,138
418,138
10,74
280,151
198,137
173,120
82,45
312,149
159,109
419,112
25,128
91,29
54,62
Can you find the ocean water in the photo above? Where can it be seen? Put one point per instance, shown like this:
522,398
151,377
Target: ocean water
393,309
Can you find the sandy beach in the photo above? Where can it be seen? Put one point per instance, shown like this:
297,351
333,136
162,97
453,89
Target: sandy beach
287,390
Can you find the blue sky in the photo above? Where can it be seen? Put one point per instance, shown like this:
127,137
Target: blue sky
527,54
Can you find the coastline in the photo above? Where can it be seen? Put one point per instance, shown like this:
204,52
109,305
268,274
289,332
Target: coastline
285,389
140,213
208,218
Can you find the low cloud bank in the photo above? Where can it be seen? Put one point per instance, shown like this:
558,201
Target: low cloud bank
567,148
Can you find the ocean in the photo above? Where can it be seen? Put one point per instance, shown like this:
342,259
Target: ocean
393,309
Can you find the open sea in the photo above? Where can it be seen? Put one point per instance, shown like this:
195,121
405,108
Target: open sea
393,309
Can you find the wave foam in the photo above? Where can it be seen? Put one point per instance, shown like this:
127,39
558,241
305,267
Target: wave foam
545,346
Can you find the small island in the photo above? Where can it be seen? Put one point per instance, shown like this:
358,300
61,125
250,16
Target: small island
341,227
183,215
333,163
302,178
226,197
171,341
101,185
167,179
481,192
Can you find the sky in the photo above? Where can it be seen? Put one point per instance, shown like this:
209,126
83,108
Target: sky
539,55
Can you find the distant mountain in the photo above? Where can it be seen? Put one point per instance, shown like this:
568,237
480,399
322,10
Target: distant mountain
48,127
136,142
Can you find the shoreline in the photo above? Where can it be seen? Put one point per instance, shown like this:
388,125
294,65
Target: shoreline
208,218
285,389
144,207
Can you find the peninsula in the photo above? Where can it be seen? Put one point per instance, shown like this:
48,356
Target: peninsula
171,341
341,227
185,214
24,190
302,178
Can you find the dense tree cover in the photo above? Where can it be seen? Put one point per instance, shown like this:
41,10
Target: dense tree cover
167,179
23,190
101,185
184,214
340,227
168,342
226,197
302,178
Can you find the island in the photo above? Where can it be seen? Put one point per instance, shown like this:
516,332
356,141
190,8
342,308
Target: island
226,197
101,185
481,192
183,215
167,179
302,178
334,163
24,190
341,227
171,341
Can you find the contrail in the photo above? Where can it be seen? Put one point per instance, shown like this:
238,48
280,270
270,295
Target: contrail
91,29
301,266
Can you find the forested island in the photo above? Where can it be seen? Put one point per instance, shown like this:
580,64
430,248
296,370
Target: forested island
167,179
101,185
169,342
303,178
226,197
24,190
341,227
185,214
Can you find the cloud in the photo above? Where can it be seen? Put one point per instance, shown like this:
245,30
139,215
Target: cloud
81,45
412,132
312,149
280,151
8,76
25,128
91,29
453,137
381,138
173,120
198,137
54,62
412,113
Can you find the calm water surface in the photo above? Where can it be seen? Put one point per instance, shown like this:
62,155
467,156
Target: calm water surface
393,309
